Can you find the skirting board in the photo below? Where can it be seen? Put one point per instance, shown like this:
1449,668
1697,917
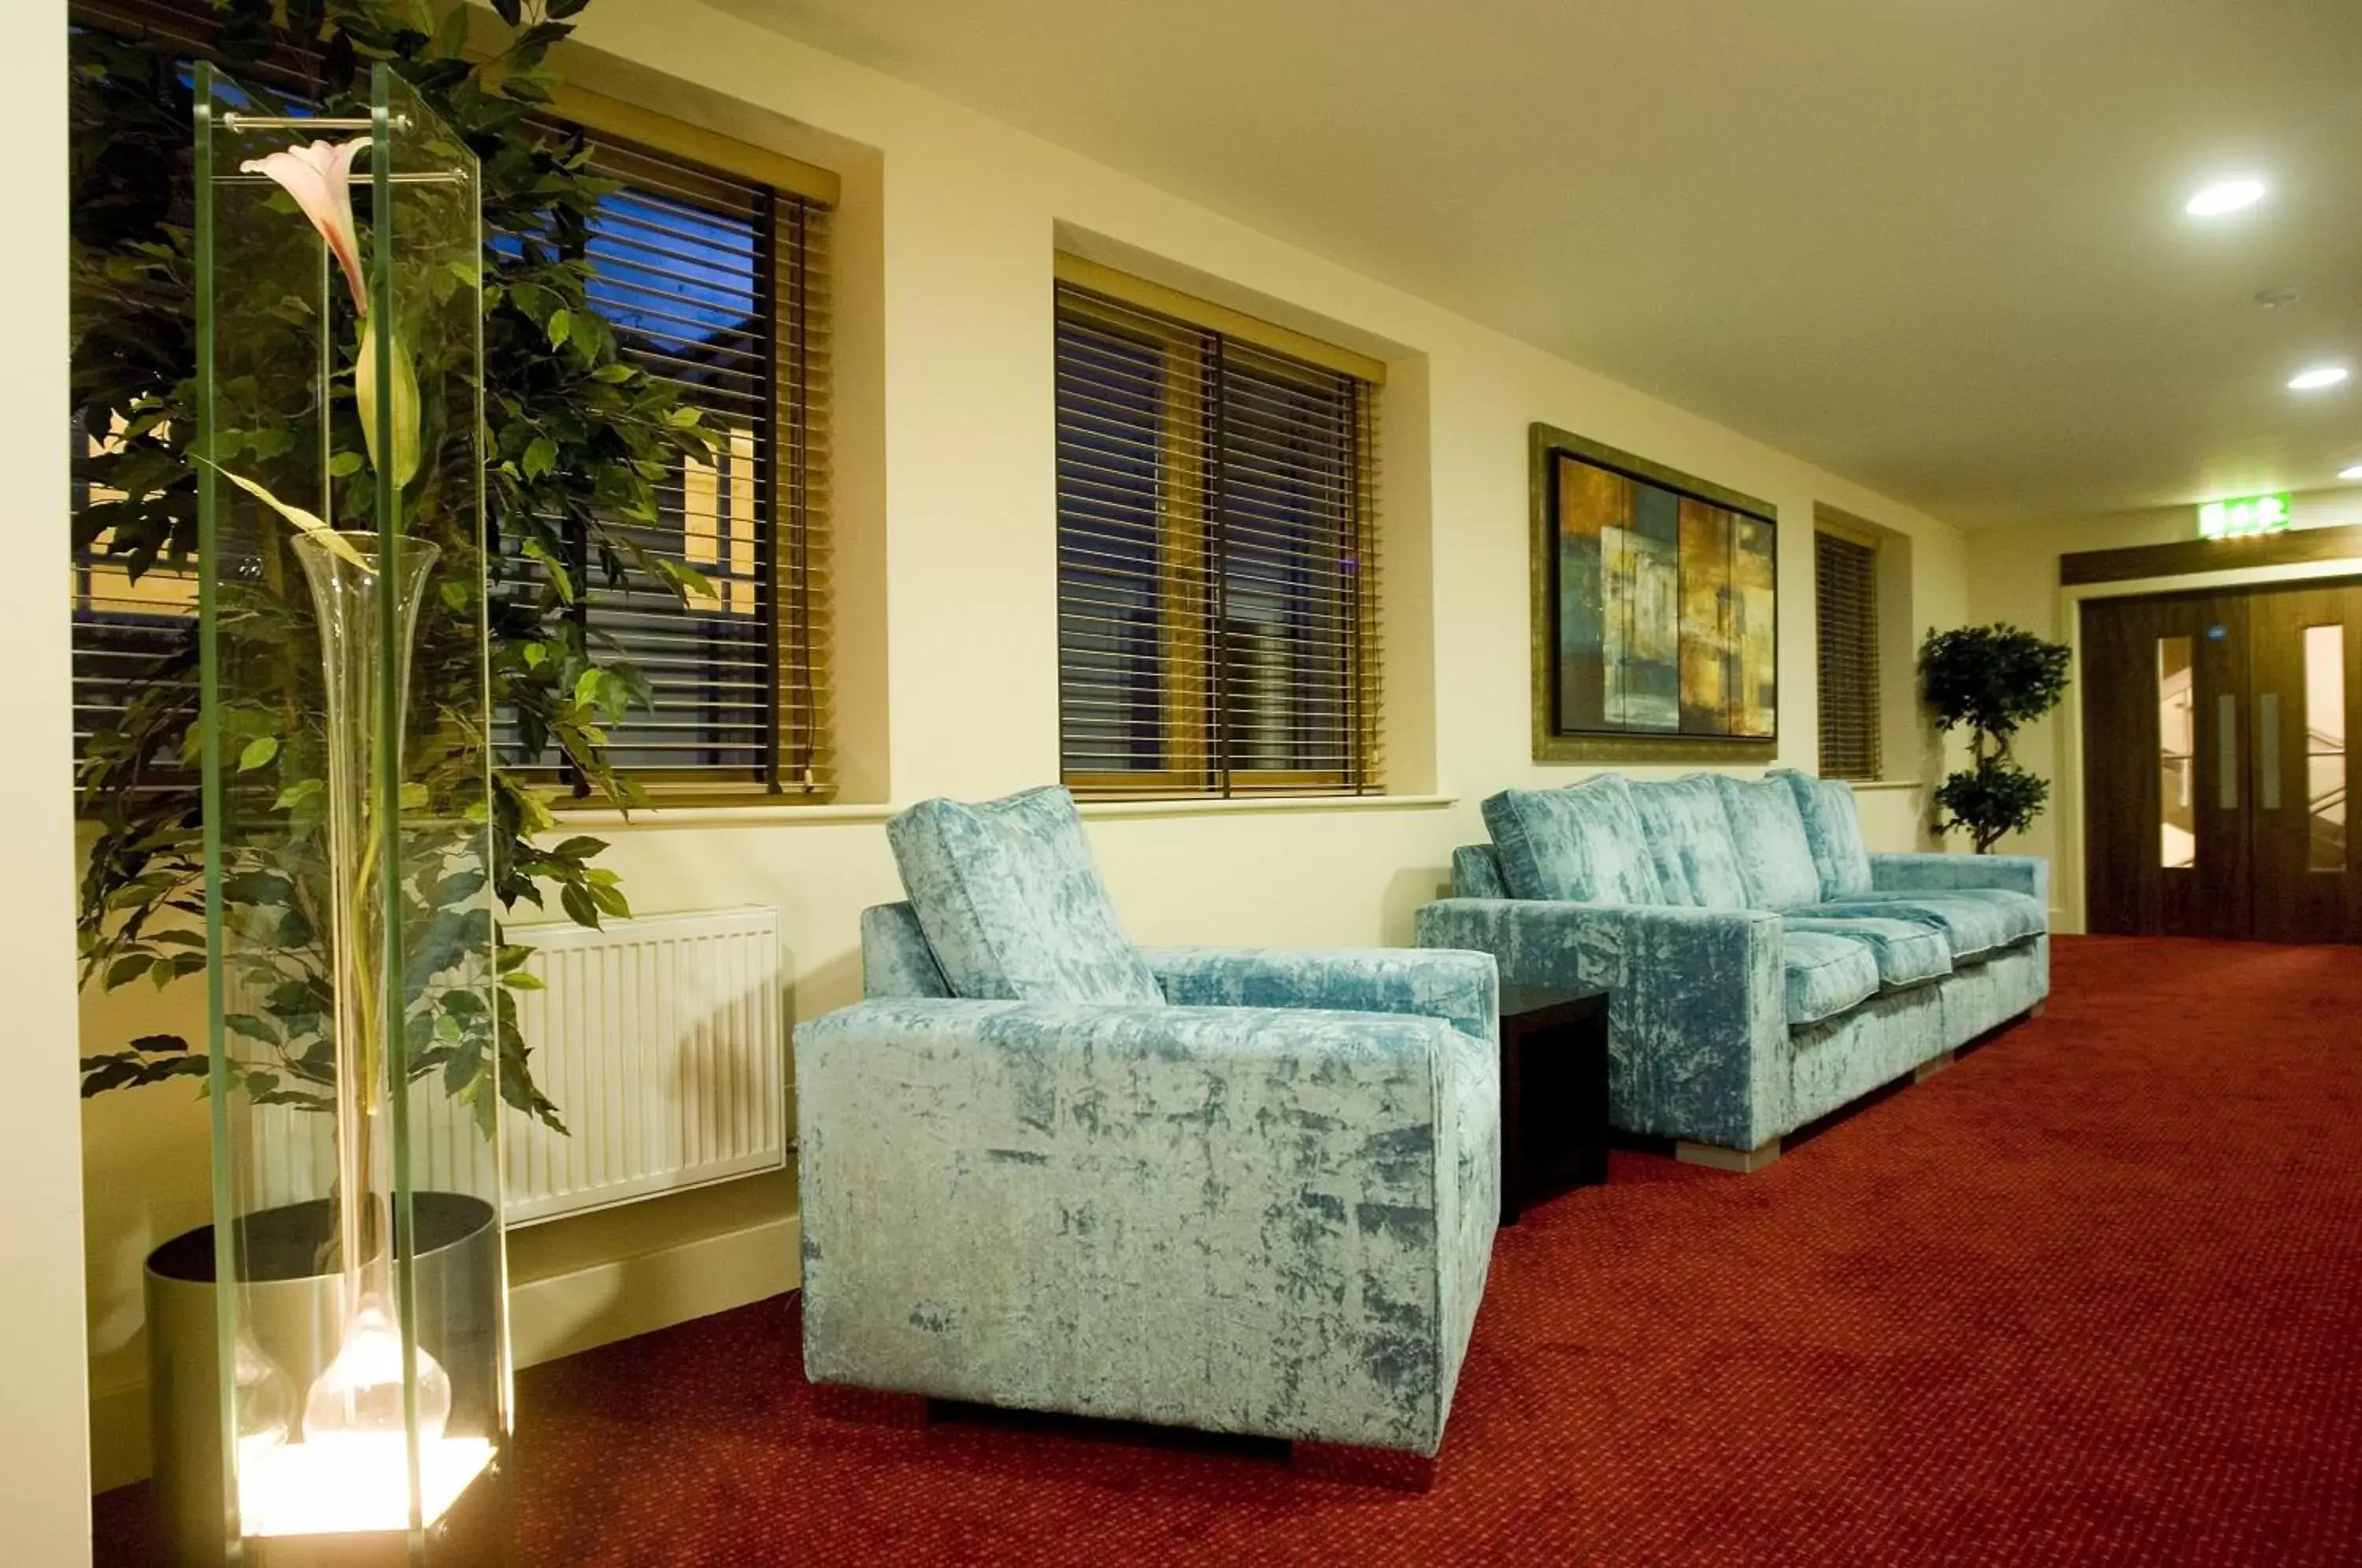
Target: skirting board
562,1315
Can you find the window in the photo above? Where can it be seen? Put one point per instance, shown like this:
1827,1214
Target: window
1217,570
1845,584
712,269
717,284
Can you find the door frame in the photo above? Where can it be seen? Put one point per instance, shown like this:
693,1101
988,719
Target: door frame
2067,892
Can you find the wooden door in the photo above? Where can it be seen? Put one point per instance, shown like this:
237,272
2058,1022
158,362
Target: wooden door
2165,766
2306,667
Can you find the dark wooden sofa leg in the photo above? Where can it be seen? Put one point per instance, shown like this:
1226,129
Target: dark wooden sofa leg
871,1406
1391,1468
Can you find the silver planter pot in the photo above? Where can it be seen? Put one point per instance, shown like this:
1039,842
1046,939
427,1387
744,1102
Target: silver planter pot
292,1316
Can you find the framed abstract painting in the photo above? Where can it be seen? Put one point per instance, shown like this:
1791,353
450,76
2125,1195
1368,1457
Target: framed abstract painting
1656,601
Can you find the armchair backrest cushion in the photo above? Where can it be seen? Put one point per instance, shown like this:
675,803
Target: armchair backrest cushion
1476,873
1689,839
1833,829
1582,845
1775,859
895,958
1011,902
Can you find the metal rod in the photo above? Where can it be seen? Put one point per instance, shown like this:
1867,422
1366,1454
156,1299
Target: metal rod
422,177
234,121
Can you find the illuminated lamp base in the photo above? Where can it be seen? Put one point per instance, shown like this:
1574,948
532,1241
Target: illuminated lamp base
355,1483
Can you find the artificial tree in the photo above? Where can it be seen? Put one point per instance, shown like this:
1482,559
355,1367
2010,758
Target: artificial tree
1991,680
578,436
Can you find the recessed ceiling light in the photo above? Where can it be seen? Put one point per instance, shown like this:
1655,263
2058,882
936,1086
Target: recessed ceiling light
2315,377
2225,196
2353,473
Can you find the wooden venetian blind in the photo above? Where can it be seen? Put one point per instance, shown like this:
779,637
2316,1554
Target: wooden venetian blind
1845,579
718,284
1218,590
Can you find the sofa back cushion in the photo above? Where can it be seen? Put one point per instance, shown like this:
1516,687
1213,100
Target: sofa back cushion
1476,873
1690,842
1583,844
1011,902
1833,829
1775,860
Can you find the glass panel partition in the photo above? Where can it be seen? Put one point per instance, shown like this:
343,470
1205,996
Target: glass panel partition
355,1029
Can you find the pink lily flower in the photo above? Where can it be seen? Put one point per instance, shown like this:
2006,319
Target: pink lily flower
320,178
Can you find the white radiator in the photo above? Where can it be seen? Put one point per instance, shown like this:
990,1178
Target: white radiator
659,1039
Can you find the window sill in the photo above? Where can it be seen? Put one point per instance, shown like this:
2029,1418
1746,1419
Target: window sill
1255,805
783,815
752,814
1862,784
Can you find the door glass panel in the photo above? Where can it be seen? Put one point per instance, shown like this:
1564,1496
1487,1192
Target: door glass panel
2177,746
2325,745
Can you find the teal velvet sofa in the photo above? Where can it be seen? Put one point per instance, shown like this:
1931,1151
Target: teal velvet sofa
1765,968
1234,1190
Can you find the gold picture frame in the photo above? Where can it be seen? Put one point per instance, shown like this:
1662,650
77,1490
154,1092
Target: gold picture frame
1698,680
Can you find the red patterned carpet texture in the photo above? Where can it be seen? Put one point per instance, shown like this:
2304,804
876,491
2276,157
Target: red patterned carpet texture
2093,1295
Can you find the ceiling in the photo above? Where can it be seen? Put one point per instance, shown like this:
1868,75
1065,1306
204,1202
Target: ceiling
1935,245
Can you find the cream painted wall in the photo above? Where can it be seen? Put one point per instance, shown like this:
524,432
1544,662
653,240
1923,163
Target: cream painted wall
945,516
44,1433
2014,576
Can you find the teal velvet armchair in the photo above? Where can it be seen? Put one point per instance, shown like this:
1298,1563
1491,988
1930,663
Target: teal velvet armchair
1241,1191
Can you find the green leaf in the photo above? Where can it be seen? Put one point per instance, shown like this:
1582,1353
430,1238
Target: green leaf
258,754
540,456
561,323
576,903
336,543
345,463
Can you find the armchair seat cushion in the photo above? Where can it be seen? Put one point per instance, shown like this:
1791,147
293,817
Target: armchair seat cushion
1011,902
1907,952
1825,975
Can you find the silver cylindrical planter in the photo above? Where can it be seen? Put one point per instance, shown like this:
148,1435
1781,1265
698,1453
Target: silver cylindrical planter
293,1317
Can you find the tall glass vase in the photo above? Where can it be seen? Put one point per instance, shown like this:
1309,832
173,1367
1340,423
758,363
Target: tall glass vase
354,1302
360,1399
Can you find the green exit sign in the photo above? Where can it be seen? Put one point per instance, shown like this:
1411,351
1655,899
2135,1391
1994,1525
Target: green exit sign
2247,516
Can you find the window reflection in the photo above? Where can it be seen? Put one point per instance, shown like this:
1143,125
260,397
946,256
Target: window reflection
2177,746
2324,745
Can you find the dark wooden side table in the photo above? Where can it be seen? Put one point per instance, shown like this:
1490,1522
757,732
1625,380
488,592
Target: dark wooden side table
1553,1093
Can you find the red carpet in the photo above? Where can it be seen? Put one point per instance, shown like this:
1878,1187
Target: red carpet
2093,1295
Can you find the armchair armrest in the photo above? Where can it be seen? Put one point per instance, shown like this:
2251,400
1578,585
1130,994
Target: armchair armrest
1462,989
1137,1212
1698,1013
2026,874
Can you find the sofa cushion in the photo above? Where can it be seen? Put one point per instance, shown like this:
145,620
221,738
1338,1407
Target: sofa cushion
2021,914
1690,842
1833,830
1476,873
1775,860
1012,905
1908,953
1825,975
1581,845
1973,928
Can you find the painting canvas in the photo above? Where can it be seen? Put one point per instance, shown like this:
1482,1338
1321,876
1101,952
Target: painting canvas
1664,609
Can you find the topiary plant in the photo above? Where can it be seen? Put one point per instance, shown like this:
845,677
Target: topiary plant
1992,680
